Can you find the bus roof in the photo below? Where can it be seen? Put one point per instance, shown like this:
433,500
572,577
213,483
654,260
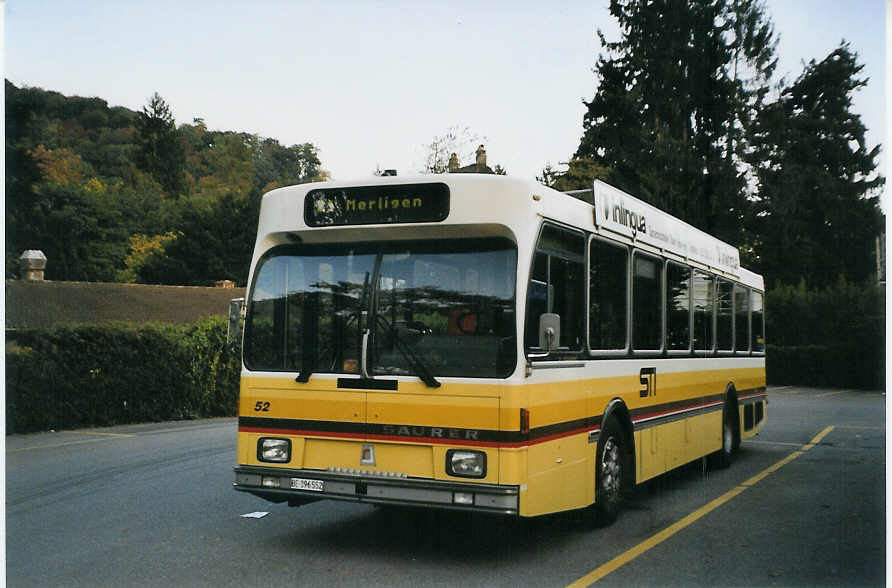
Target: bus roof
517,204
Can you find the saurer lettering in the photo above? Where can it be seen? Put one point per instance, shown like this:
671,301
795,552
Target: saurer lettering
431,432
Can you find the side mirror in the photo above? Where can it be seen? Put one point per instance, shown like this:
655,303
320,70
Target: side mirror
549,331
236,314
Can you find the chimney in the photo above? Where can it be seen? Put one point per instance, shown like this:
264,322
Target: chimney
453,163
481,158
33,264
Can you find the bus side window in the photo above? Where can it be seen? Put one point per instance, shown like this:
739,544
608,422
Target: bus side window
557,285
608,296
537,304
678,307
725,316
647,302
704,305
757,343
741,319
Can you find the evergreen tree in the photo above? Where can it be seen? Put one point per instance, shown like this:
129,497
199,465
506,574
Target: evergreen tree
160,151
667,119
579,175
817,209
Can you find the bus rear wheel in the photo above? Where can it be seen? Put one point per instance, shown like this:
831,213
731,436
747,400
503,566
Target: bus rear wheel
723,457
611,470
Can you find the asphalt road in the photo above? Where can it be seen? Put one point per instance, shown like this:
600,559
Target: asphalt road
150,505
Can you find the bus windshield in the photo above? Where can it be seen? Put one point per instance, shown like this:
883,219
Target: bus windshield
443,308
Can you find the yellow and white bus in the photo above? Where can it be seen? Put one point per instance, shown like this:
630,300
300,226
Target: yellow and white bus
486,343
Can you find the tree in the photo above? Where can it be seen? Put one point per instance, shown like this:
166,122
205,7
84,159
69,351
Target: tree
214,242
817,208
142,251
79,230
84,178
460,141
284,166
668,116
23,173
160,151
62,167
579,175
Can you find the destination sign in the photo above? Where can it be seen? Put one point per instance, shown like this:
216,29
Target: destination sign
370,205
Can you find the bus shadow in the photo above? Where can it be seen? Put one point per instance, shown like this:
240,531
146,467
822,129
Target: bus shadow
674,484
439,536
443,536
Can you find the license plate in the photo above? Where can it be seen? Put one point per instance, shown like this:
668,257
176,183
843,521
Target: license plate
304,484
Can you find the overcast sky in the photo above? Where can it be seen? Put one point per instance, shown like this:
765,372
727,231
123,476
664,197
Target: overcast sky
371,83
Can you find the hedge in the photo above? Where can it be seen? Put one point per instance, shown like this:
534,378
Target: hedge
834,336
102,375
837,366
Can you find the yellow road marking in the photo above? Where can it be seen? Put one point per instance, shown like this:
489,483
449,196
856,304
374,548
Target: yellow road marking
834,393
53,445
764,473
757,442
817,438
671,530
96,433
101,437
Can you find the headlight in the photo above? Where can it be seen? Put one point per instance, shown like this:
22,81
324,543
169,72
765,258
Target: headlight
274,450
466,464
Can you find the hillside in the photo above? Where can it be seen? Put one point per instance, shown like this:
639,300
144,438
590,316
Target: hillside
112,194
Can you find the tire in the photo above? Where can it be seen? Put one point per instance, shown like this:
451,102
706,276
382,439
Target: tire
611,472
722,458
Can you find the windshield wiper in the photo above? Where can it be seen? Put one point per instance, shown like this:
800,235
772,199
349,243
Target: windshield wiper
412,359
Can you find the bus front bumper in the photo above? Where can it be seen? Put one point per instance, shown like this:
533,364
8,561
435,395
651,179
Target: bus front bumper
298,486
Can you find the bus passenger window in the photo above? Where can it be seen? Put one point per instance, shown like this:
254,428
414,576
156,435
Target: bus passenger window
741,319
568,301
678,307
557,285
647,303
757,340
704,305
537,299
725,317
608,295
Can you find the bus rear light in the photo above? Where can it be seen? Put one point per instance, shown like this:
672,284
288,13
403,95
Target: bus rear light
524,421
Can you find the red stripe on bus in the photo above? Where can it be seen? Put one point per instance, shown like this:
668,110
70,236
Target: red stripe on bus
422,440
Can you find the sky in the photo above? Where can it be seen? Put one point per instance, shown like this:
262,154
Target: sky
372,83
